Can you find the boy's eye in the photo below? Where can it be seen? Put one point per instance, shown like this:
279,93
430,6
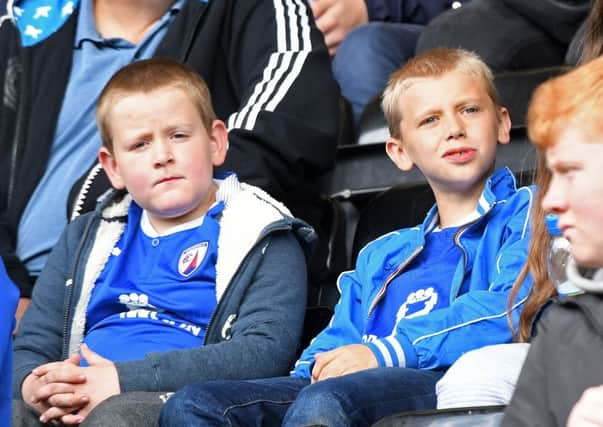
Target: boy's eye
471,109
138,145
428,120
179,135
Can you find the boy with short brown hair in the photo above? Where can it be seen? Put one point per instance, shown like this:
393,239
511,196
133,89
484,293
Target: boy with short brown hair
177,275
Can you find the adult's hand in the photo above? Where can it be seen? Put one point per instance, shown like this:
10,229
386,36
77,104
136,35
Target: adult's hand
336,18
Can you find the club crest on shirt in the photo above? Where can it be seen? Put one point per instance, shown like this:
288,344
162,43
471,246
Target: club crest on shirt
191,259
418,303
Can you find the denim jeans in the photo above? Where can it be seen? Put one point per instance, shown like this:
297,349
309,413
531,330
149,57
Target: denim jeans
357,399
367,57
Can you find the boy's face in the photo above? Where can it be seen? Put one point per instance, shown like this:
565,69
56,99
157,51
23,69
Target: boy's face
449,130
163,155
575,193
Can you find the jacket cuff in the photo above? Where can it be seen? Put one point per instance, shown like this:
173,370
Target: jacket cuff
394,351
136,376
302,369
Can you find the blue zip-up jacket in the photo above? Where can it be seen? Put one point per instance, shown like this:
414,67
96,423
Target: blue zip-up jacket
253,332
494,249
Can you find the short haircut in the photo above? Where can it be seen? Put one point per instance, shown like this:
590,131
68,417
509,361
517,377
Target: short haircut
433,63
146,77
576,96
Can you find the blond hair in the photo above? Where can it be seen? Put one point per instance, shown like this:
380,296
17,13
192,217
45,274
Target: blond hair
433,63
148,76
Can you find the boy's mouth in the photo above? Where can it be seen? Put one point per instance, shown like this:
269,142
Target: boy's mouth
460,155
167,179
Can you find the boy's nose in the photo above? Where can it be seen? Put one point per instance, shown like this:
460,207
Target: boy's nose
456,128
162,153
554,199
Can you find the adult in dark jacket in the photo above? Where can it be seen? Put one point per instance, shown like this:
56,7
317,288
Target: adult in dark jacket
259,58
370,39
509,34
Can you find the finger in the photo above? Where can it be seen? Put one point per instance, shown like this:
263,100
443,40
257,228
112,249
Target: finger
73,375
91,357
327,22
334,38
44,369
68,400
319,7
74,359
48,390
72,419
55,413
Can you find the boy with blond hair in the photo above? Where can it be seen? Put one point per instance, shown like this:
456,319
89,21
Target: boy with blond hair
419,297
177,275
563,365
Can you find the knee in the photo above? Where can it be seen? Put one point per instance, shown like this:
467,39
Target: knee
188,407
316,405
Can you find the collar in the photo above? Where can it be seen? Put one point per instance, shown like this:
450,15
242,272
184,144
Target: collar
86,26
497,187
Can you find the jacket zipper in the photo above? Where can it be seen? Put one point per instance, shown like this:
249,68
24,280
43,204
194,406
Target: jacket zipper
389,279
71,285
18,132
457,242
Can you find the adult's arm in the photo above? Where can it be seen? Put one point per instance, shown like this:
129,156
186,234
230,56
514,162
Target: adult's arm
284,132
410,11
264,336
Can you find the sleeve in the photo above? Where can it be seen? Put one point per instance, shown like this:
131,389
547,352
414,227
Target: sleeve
530,404
406,11
284,132
9,71
41,330
264,337
476,318
344,328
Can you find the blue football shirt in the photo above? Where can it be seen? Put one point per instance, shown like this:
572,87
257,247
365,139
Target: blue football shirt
156,292
424,286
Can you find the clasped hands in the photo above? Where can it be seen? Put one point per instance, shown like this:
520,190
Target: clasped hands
66,392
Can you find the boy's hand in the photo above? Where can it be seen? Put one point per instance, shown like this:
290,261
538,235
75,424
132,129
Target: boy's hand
336,18
101,383
52,384
342,361
587,411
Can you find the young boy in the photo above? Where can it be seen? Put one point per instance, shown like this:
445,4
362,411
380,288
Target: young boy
181,278
565,356
419,297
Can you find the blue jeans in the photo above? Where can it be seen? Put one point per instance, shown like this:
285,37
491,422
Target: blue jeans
367,57
357,399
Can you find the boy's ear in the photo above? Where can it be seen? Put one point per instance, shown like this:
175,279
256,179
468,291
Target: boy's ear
218,142
108,163
396,152
504,126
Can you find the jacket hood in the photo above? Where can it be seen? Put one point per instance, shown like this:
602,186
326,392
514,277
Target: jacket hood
588,279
